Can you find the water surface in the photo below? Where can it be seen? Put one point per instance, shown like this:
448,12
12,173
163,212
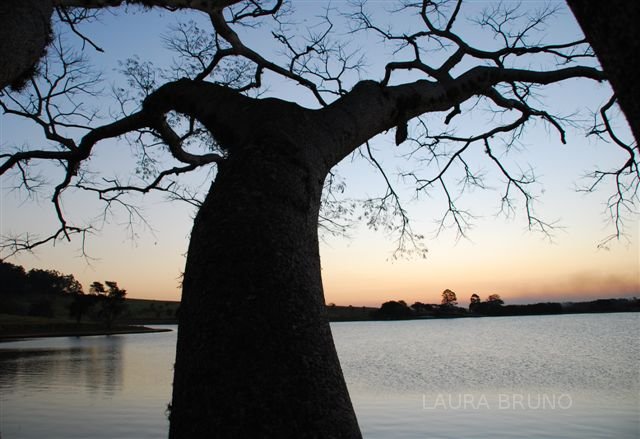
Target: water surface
572,376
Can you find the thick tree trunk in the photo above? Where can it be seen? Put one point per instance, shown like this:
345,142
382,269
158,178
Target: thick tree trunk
25,31
255,355
612,30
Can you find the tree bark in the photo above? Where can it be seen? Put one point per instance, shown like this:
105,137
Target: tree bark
255,355
612,30
25,31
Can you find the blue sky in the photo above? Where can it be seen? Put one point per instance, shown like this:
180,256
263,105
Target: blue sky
498,256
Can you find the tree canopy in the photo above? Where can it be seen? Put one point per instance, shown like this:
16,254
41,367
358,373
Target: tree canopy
14,279
449,298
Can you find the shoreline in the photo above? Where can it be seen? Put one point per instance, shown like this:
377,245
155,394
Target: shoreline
31,331
16,336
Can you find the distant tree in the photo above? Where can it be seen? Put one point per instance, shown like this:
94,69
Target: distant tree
492,306
40,281
393,310
474,302
422,309
111,299
12,278
52,282
449,298
97,288
69,285
419,306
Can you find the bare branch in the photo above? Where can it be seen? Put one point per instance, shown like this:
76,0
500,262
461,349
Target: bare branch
74,17
625,179
225,31
405,235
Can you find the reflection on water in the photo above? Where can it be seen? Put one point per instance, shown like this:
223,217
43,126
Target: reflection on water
86,387
521,377
95,366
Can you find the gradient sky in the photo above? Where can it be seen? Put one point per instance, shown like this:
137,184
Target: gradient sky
498,256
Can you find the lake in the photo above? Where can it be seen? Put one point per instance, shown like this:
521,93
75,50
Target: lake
569,376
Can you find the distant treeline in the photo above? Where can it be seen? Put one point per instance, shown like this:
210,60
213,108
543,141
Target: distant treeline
34,292
349,313
15,280
494,306
51,294
595,306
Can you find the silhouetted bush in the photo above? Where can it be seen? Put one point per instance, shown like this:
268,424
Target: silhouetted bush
393,310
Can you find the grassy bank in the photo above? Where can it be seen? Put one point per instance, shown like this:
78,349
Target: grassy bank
138,314
13,326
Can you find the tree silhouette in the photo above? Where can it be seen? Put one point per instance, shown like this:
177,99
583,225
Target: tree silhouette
97,288
492,306
12,278
255,356
474,301
393,310
51,282
111,300
449,298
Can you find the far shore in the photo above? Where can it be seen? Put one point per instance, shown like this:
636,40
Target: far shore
142,315
13,336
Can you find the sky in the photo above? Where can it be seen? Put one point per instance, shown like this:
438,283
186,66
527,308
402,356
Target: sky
498,255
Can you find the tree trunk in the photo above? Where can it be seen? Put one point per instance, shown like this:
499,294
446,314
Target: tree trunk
25,31
255,355
612,30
